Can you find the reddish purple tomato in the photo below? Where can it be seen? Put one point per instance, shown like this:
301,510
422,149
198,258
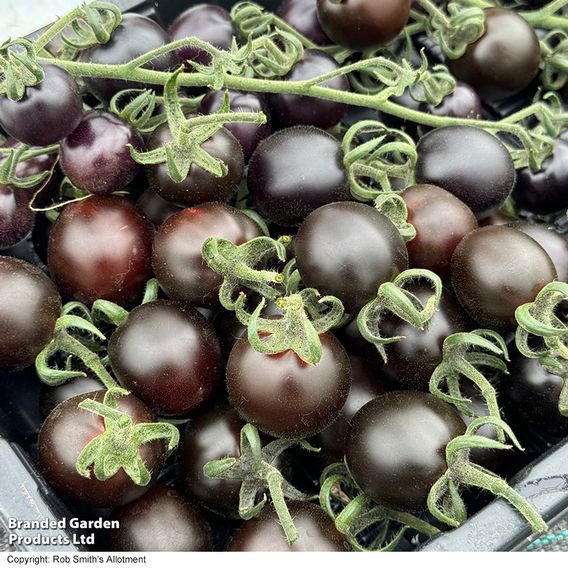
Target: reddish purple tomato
247,133
441,221
29,307
168,356
396,447
199,186
162,520
366,384
412,360
64,434
504,60
291,110
348,250
363,24
464,102
285,397
316,532
303,15
212,435
177,261
496,269
544,191
101,248
134,36
48,111
206,22
295,171
96,157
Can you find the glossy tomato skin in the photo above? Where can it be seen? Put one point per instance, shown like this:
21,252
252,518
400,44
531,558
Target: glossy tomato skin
177,260
285,397
396,446
200,186
295,171
96,157
29,307
291,110
101,248
213,434
303,15
56,99
50,397
64,434
135,36
412,360
545,191
348,250
496,269
156,208
363,24
450,158
186,369
16,217
464,102
162,520
316,532
441,221
504,60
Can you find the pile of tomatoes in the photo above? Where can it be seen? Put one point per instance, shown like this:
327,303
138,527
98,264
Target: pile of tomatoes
118,288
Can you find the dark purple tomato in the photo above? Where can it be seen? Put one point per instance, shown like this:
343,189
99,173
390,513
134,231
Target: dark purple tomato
285,397
468,162
496,218
168,356
177,261
134,36
303,15
206,22
29,307
291,110
316,532
356,344
366,384
96,157
162,520
464,102
363,24
64,434
412,360
50,397
531,395
200,186
555,244
156,208
16,217
441,221
212,435
295,171
545,191
348,250
48,112
504,60
247,133
396,447
495,270
101,247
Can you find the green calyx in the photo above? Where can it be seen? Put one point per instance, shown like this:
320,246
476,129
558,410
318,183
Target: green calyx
255,468
395,297
118,447
354,514
444,500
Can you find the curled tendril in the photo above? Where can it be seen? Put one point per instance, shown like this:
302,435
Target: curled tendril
18,68
250,19
444,499
463,355
382,76
9,164
393,206
432,85
396,298
275,54
255,468
555,60
355,515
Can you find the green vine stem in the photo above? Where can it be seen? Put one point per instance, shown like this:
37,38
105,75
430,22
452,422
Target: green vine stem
118,446
18,68
8,166
463,355
255,468
396,298
444,500
354,513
